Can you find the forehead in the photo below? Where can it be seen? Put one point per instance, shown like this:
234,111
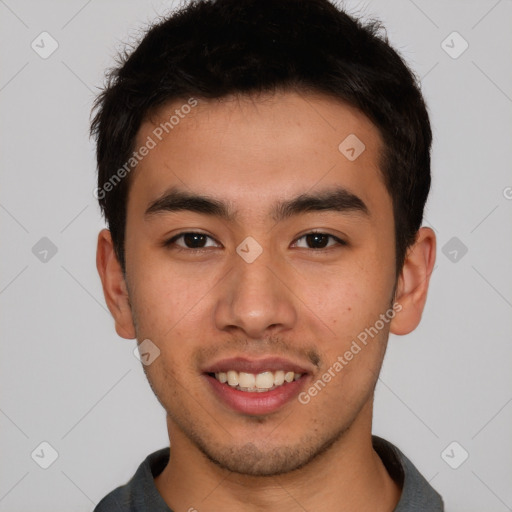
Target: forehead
251,148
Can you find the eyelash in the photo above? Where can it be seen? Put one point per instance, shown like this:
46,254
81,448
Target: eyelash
171,243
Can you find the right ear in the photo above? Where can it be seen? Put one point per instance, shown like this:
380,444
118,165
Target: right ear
114,285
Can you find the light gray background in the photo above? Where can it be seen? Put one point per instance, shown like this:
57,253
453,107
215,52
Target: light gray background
67,379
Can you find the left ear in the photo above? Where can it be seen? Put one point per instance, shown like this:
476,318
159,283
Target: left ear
412,286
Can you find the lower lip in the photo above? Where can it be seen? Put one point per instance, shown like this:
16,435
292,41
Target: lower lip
257,403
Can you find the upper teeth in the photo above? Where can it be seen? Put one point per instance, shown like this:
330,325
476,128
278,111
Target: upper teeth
256,382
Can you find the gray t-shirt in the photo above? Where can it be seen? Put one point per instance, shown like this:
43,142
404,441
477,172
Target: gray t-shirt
141,495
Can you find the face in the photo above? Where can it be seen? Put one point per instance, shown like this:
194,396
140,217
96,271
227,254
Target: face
254,245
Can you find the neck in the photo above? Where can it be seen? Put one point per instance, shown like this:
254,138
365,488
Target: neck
348,476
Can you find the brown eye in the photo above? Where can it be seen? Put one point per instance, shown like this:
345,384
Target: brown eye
190,241
316,240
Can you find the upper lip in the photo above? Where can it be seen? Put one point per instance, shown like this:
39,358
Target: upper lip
243,364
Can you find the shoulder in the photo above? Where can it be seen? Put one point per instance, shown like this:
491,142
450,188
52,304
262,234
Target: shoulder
111,502
139,493
417,493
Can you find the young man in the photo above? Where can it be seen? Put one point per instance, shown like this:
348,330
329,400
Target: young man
263,169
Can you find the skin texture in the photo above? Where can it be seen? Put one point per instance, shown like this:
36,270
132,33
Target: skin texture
296,301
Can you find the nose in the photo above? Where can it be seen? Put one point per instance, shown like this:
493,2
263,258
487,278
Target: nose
256,298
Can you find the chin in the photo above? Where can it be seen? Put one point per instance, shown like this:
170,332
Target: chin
252,460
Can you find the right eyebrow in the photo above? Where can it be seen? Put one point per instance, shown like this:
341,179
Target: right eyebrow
178,200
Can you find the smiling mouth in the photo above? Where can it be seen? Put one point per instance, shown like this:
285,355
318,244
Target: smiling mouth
256,383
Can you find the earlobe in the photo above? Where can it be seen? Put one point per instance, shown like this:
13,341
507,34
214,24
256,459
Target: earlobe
412,286
114,285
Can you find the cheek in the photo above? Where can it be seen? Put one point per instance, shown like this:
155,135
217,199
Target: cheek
351,304
350,298
162,299
174,310
166,288
353,350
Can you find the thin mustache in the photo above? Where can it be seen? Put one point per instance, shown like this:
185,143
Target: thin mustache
257,349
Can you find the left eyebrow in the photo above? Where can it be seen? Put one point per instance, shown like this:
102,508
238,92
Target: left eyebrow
337,199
